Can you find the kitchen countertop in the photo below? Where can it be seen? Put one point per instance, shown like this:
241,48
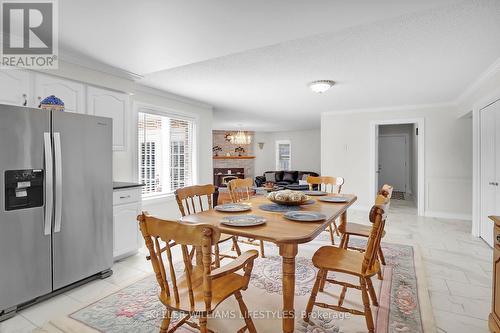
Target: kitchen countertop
495,219
122,185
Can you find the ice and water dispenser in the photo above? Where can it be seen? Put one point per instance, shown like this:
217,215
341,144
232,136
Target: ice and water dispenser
23,189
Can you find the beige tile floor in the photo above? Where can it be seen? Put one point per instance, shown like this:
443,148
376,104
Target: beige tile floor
458,267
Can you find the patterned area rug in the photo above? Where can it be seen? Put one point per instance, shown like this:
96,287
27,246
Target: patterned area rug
403,306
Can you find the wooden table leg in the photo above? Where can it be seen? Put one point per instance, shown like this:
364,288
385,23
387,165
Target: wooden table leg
288,252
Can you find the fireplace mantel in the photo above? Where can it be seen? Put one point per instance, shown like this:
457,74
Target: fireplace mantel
233,157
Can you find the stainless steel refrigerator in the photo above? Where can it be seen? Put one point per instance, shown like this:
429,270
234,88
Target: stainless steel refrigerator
56,222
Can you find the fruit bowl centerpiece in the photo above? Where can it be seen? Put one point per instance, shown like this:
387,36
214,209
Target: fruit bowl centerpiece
288,197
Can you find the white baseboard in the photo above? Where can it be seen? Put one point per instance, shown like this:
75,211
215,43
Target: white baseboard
445,215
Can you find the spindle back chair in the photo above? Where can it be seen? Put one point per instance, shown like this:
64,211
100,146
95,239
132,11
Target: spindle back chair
362,265
190,289
326,183
331,185
240,190
363,230
198,198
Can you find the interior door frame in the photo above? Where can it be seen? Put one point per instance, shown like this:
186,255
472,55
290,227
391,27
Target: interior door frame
476,160
373,184
407,158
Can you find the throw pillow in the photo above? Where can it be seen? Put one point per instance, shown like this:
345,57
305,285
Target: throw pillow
304,176
289,176
270,177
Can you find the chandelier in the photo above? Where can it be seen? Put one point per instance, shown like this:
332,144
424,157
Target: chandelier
240,138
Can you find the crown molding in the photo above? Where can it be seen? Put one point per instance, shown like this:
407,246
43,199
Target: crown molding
95,65
140,88
471,88
390,108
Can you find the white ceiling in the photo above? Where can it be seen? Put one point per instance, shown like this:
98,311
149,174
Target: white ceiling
252,60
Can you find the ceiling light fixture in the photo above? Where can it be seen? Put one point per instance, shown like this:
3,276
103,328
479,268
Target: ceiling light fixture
320,86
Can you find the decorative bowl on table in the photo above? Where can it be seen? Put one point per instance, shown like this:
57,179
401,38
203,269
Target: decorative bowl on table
288,197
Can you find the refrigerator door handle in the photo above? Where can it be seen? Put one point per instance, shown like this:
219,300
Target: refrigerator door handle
49,183
58,190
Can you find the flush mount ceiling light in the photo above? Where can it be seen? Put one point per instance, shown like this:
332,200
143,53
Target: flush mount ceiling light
320,86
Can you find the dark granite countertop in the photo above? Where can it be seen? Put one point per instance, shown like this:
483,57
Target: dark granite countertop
120,185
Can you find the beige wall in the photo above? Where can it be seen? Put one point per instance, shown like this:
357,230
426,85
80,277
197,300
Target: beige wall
345,151
305,150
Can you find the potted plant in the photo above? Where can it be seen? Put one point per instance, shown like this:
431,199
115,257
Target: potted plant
240,150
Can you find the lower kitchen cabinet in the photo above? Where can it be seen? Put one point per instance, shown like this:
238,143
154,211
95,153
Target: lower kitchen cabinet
126,235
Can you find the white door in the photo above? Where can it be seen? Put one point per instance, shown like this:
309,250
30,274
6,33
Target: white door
111,104
490,164
70,92
392,155
15,87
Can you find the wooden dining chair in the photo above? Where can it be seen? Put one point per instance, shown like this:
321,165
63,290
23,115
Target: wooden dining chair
331,185
195,290
190,200
363,230
363,266
241,190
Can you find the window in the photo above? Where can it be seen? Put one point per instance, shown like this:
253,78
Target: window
165,153
283,154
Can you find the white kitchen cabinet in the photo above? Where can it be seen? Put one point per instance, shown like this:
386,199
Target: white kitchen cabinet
111,104
126,234
70,92
15,87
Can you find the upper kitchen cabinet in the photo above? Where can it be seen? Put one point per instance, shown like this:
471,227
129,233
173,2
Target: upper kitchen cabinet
70,92
115,105
15,87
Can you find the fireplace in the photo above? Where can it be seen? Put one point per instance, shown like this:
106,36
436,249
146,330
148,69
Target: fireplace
223,175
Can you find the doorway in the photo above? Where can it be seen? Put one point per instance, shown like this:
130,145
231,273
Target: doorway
397,159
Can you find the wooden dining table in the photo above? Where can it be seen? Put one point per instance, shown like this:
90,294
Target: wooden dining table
286,234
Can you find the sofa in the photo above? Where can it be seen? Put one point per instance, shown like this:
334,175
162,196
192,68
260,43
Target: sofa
283,178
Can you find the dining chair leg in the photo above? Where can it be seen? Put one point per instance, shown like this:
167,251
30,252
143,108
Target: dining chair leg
236,247
233,248
371,291
381,256
217,256
366,304
323,282
342,295
312,299
345,245
336,228
262,255
203,324
342,241
244,312
166,322
330,229
379,274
